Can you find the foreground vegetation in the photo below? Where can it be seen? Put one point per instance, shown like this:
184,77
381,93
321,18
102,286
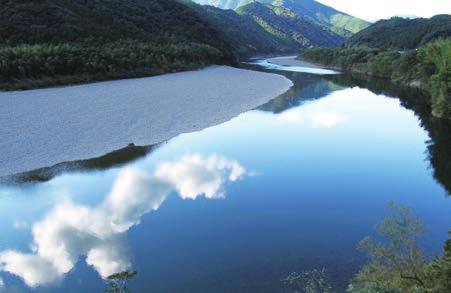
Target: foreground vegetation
118,283
396,264
428,67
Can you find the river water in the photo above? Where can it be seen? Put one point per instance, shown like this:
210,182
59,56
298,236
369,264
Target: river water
290,186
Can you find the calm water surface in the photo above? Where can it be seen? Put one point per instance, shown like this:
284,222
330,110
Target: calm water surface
291,186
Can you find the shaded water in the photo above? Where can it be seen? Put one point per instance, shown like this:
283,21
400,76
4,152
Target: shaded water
290,186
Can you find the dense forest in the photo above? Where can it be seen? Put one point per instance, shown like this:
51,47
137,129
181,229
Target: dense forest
402,33
67,41
396,265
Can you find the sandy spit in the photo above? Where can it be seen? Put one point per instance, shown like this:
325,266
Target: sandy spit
43,127
291,61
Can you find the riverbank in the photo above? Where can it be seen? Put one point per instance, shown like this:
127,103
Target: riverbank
292,61
291,64
45,65
427,68
44,127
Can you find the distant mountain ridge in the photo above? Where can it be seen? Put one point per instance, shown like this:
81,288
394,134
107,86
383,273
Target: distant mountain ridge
339,22
257,28
288,26
402,33
245,35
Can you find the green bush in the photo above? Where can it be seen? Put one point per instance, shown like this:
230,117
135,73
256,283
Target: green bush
438,57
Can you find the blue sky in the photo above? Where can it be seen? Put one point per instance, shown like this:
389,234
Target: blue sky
373,10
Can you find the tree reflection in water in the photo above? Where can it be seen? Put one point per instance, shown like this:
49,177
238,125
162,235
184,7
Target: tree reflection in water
439,130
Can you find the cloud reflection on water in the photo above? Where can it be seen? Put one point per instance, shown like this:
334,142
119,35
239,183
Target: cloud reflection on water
71,230
325,119
320,114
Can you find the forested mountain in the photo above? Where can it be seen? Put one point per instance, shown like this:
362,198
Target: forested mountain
337,21
54,21
402,33
61,41
245,35
289,27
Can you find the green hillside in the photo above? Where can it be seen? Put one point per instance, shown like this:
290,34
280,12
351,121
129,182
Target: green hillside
401,33
64,41
337,21
286,25
241,31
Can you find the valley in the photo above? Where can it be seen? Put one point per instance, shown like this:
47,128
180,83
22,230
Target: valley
247,146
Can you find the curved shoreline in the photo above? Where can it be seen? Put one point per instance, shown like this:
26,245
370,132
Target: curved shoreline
43,127
289,63
292,61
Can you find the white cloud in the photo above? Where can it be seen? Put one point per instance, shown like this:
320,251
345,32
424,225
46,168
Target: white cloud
193,175
374,10
110,256
70,230
326,119
292,116
133,194
311,117
33,269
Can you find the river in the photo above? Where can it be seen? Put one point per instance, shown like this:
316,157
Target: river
292,185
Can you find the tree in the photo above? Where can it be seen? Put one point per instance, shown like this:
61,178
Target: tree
314,281
118,282
397,263
438,272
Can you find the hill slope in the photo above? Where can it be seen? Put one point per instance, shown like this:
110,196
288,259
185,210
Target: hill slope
401,33
339,22
287,26
64,41
241,31
71,20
